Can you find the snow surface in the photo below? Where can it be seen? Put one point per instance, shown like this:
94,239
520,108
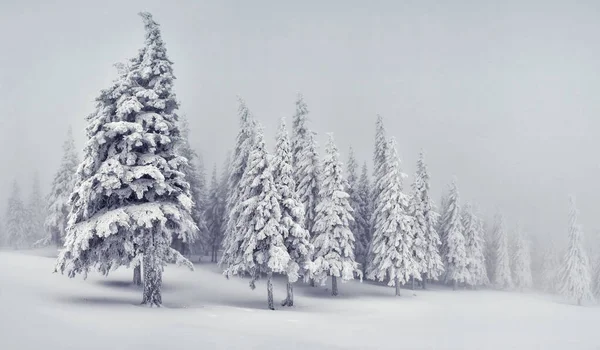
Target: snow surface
203,310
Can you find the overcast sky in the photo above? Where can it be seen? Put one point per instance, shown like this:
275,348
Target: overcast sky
501,94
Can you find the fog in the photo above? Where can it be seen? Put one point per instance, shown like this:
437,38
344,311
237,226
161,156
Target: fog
502,95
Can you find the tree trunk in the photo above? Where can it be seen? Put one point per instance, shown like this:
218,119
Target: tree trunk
312,282
152,279
334,287
289,300
137,275
413,283
424,282
397,282
270,291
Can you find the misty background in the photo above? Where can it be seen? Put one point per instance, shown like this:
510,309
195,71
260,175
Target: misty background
504,96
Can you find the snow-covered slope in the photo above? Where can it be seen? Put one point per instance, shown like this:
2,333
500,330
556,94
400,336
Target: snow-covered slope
203,310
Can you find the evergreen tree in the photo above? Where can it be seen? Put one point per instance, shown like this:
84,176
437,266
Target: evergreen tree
305,161
18,235
522,262
131,197
550,266
244,143
392,246
36,211
362,217
427,242
296,237
474,245
596,278
261,249
214,216
455,257
194,174
502,276
333,241
489,249
574,276
62,187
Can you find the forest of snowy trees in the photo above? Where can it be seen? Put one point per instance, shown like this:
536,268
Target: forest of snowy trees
139,196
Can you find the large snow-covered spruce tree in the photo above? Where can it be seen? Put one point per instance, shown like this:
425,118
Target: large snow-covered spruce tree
522,277
305,161
474,247
131,197
427,241
362,217
259,246
502,275
392,255
333,241
296,237
58,199
194,174
18,235
239,160
455,254
574,276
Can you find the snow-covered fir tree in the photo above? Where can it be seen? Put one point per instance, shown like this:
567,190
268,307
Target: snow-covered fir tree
522,277
362,217
259,247
131,197
427,242
305,160
214,215
18,235
392,246
239,160
550,267
574,277
36,210
333,241
455,255
194,174
440,222
296,237
474,245
62,187
358,206
502,278
596,278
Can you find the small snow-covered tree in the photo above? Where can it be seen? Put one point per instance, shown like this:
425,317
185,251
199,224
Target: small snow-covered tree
305,161
131,197
427,242
522,262
244,143
474,245
502,274
214,215
36,210
261,248
392,246
296,238
62,187
455,257
194,174
574,276
333,241
18,235
596,278
362,217
550,267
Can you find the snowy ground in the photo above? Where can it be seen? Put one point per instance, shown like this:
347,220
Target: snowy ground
203,310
